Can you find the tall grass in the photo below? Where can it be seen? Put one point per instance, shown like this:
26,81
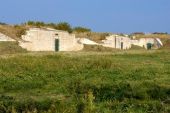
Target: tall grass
126,82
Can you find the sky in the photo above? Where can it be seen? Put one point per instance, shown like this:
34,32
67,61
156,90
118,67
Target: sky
117,16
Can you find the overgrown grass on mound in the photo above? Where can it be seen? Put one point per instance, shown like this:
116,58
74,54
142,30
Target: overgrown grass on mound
98,48
97,37
10,48
161,36
14,32
166,43
86,83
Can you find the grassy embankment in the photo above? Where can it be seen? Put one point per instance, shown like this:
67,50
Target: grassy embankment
10,48
86,82
83,82
14,32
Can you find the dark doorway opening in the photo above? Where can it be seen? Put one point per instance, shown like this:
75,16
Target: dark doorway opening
121,45
149,46
56,44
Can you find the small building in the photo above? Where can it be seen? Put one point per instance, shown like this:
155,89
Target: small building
4,38
117,42
148,43
46,39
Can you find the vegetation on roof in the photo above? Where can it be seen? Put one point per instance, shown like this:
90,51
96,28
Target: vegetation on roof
13,31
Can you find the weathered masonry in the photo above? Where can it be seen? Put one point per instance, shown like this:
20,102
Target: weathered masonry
124,42
117,42
148,43
39,39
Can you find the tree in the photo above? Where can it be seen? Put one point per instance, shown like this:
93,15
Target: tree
81,29
64,26
31,23
39,24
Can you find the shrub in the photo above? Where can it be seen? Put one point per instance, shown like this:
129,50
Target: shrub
81,29
64,26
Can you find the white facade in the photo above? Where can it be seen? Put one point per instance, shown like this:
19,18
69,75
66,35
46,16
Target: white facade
124,42
5,38
37,39
156,42
117,42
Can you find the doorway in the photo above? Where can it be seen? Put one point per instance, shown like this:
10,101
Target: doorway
56,44
121,45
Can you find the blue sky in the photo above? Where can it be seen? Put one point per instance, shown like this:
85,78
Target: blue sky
124,16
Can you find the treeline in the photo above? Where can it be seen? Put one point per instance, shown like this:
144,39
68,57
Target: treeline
59,26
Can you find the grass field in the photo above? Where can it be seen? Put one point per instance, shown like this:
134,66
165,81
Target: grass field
10,48
86,82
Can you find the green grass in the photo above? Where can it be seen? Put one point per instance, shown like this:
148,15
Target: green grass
10,48
98,48
86,82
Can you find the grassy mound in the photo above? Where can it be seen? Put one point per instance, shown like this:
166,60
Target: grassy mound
161,36
97,37
166,43
98,48
14,32
10,48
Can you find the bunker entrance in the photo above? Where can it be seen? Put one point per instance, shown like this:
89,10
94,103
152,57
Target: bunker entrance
121,45
56,44
149,46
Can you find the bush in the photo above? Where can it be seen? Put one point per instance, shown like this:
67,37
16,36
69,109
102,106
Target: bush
20,31
64,26
81,29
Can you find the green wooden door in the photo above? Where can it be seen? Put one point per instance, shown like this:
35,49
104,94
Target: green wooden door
56,44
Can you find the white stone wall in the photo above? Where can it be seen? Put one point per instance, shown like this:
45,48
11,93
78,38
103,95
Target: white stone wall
115,41
135,42
4,38
69,43
37,39
144,41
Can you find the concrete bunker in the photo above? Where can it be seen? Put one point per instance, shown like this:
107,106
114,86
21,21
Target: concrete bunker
39,39
117,42
148,43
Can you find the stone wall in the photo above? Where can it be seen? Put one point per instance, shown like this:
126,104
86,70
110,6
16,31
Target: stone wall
117,42
37,39
156,42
